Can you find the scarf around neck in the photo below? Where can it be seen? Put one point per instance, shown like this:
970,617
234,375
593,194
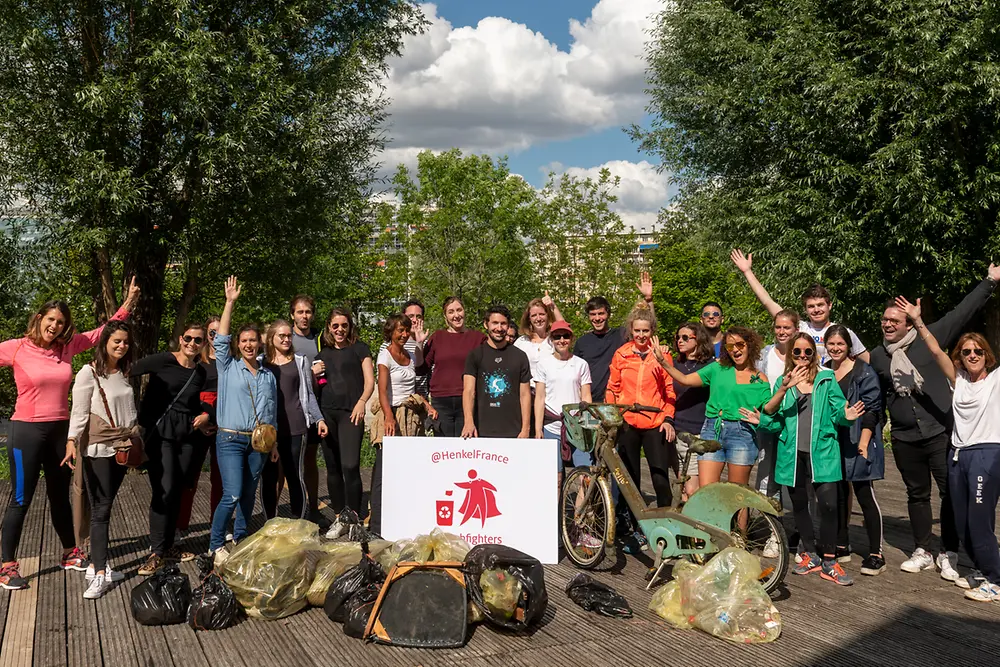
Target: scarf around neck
906,379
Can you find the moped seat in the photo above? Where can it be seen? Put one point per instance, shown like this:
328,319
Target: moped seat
698,446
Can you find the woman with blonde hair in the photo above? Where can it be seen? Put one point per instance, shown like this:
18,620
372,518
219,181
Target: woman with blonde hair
298,410
534,328
805,411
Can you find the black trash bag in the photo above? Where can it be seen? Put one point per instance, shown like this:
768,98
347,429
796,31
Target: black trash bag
597,597
163,598
359,609
366,574
213,604
533,598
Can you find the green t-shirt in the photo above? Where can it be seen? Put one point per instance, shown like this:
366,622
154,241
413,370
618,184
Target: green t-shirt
726,397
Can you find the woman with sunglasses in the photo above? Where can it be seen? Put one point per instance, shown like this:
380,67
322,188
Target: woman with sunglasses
350,377
694,352
734,383
974,462
805,411
204,436
636,377
297,412
560,379
862,457
170,414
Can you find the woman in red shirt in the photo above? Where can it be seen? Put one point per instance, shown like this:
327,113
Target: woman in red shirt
43,370
444,355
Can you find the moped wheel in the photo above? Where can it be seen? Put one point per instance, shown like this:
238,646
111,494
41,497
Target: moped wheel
765,538
586,521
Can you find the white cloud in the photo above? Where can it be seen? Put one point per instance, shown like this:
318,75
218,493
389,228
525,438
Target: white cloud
642,190
499,86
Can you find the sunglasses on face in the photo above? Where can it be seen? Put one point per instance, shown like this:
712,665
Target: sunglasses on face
336,326
711,313
967,351
803,352
562,336
683,338
198,340
735,346
212,332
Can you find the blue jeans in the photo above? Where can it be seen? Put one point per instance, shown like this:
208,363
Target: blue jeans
239,466
580,459
739,444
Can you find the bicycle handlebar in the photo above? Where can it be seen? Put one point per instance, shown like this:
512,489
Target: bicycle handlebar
630,407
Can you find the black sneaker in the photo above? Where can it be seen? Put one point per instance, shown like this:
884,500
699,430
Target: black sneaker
873,565
843,554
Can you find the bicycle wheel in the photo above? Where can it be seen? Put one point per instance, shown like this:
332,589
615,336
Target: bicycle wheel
765,538
586,522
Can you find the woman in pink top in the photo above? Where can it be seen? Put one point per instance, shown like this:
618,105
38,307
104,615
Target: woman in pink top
444,354
43,370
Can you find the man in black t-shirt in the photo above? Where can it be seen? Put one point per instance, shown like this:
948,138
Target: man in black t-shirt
497,392
597,347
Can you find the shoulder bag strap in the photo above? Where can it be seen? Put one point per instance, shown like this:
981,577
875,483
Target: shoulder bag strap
253,404
104,397
183,389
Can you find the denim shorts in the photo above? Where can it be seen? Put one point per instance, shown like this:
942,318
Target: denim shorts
739,444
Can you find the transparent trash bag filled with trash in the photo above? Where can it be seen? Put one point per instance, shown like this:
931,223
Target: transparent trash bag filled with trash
724,598
272,570
438,546
336,558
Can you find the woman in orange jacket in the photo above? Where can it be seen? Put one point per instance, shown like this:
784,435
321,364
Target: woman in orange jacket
637,377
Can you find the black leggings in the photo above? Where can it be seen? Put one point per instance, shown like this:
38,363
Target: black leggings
104,477
631,443
31,448
170,467
826,501
451,419
342,453
865,493
291,454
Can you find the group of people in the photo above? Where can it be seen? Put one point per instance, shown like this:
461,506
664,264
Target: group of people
808,410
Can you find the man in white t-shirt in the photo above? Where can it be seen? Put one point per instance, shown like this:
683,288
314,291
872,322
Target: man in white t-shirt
815,300
560,379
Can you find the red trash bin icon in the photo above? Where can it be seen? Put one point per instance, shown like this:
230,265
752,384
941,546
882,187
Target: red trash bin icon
445,512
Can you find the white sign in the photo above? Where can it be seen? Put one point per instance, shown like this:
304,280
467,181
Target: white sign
486,490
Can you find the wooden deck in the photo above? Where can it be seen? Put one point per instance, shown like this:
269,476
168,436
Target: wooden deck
893,619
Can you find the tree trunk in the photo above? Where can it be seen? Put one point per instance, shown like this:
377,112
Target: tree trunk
105,300
188,294
149,266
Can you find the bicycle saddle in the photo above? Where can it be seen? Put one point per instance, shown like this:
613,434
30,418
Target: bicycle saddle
697,445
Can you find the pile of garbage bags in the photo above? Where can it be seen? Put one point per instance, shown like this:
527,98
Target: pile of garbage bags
166,598
724,598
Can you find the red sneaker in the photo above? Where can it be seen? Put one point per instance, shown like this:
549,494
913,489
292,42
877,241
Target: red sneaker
11,579
75,560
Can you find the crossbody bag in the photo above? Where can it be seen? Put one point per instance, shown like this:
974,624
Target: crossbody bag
131,450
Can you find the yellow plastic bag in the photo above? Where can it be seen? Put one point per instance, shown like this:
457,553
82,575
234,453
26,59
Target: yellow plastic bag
501,592
438,546
269,571
724,598
337,558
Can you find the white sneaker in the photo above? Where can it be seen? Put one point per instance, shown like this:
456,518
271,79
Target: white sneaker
221,555
113,575
229,537
920,560
986,592
99,585
946,562
771,548
336,530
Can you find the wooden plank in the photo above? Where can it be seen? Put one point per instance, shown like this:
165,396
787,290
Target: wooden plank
5,498
19,633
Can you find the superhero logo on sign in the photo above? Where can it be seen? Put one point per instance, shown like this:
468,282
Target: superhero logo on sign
480,502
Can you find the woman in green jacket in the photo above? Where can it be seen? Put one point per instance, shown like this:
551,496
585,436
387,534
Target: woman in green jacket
804,411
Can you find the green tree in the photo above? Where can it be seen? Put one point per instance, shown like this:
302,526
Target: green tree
180,141
585,249
469,226
851,143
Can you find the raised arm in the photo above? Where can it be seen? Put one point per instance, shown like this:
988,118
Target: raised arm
88,339
645,287
686,379
913,311
949,327
744,264
551,304
233,290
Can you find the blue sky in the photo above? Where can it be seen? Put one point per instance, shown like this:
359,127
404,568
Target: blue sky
549,83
